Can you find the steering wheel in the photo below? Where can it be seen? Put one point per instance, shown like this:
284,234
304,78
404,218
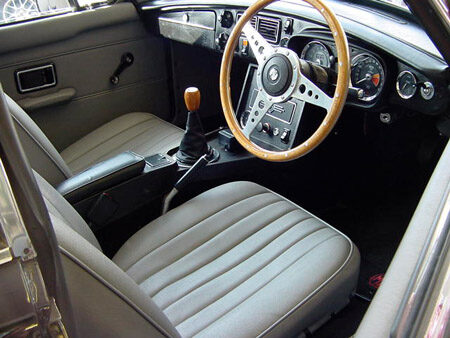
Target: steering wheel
279,78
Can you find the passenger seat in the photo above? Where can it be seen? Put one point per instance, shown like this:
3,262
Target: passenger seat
142,133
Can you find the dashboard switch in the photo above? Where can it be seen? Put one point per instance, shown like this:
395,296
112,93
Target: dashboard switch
244,49
288,25
266,127
427,90
285,135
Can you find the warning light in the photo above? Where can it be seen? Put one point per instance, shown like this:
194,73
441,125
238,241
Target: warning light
376,79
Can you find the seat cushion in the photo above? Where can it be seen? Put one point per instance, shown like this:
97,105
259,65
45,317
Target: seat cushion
240,260
143,133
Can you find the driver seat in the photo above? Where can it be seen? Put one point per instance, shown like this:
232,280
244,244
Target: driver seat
235,261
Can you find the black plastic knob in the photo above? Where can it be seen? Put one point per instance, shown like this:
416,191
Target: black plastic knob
226,19
266,127
221,40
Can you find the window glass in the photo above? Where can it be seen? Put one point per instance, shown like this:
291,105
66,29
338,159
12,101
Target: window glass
399,3
20,10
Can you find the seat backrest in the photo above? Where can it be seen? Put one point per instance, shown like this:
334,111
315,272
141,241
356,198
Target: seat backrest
43,156
106,301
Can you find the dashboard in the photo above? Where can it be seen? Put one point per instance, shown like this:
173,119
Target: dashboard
386,70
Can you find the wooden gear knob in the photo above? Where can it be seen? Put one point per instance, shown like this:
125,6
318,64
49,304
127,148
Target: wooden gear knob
192,98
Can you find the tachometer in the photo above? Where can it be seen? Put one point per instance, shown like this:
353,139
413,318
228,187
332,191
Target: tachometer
317,53
368,74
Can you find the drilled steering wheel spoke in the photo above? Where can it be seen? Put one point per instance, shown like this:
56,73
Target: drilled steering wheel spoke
309,92
260,47
259,109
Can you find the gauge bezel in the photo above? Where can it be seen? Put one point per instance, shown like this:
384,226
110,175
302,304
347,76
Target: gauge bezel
397,85
302,55
383,75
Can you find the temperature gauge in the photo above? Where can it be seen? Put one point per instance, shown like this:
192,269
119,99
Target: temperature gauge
406,84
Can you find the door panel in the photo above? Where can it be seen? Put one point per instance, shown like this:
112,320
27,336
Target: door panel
85,49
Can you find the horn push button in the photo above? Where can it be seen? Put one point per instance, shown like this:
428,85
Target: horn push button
277,75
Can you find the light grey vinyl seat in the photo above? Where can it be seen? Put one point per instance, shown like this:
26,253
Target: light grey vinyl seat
235,261
142,133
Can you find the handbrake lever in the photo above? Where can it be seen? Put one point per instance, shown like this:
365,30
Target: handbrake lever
187,178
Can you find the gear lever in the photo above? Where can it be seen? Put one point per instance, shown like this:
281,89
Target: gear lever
193,145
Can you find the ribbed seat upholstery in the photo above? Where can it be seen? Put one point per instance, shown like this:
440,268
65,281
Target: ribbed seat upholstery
238,260
235,261
143,133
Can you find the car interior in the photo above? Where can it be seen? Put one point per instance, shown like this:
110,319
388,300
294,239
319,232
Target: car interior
227,168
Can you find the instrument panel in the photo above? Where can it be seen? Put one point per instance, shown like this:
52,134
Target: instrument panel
368,71
382,78
379,78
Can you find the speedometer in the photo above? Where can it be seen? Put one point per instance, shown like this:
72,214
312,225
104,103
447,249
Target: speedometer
368,74
317,53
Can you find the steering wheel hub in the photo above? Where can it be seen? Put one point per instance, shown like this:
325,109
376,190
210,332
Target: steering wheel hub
276,75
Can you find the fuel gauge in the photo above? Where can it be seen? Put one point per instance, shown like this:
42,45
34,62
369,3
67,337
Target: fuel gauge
406,84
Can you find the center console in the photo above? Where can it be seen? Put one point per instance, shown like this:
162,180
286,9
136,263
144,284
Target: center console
278,128
114,188
119,185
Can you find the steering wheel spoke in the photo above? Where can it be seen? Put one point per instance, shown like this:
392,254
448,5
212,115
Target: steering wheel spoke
259,109
260,47
308,91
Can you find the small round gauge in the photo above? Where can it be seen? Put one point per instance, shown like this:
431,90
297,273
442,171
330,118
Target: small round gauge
367,74
243,119
406,84
317,53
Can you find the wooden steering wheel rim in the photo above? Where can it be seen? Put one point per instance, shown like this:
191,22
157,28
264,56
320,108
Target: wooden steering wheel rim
339,98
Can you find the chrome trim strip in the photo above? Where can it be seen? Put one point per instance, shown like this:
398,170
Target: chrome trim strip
11,221
5,256
418,293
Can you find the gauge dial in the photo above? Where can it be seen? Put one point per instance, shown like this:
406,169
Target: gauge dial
406,84
317,53
367,74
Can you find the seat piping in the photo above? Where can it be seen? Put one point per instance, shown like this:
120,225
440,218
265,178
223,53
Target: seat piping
314,292
193,225
262,286
86,268
209,239
230,267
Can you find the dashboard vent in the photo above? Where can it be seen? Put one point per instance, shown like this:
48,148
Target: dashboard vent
269,28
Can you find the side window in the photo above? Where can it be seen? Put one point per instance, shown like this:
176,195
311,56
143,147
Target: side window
20,10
